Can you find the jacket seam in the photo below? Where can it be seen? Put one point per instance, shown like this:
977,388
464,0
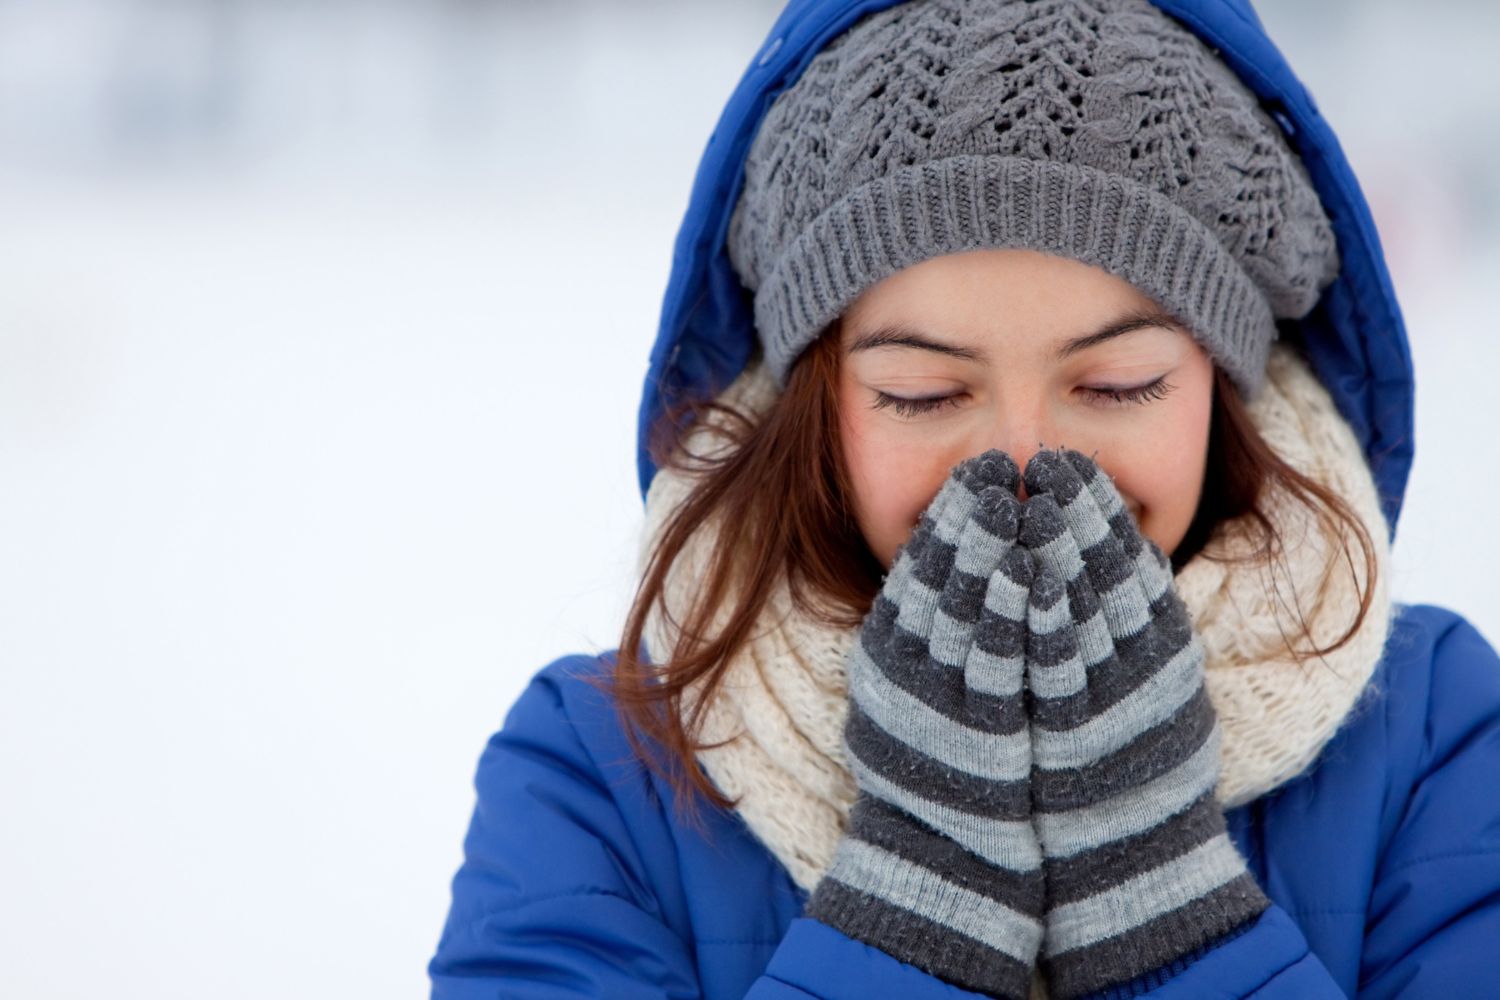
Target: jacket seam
547,897
1336,911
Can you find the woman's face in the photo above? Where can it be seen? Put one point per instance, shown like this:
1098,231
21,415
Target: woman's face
1018,350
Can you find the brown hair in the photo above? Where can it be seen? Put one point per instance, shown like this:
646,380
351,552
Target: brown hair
782,483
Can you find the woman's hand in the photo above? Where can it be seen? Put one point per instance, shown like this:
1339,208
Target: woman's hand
1139,869
940,867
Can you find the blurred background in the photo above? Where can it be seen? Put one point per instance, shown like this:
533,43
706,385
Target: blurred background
322,330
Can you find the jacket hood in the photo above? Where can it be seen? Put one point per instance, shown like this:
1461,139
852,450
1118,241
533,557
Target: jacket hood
1354,337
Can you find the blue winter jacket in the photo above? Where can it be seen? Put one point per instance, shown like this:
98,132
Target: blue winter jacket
1382,860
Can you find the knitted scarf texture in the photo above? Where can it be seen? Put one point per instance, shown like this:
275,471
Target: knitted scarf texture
782,700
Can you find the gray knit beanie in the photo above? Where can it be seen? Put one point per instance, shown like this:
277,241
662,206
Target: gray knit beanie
1099,130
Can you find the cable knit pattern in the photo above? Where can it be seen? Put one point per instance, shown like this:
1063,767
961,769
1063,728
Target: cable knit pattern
785,695
1100,130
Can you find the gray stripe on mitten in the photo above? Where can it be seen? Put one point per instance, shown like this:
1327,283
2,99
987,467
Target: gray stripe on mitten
1140,870
940,866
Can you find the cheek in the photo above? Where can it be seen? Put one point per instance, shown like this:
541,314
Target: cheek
1161,502
893,482
1161,476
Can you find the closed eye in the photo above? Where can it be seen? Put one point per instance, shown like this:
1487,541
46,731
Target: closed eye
1136,395
912,407
1139,394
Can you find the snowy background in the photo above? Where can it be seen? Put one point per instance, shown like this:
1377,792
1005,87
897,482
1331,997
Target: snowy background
322,328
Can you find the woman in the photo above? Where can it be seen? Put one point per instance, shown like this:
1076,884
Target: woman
1040,357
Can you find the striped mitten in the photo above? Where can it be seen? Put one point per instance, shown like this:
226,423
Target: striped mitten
1140,872
939,866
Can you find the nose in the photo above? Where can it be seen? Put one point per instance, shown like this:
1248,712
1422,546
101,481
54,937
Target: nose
1022,454
1021,430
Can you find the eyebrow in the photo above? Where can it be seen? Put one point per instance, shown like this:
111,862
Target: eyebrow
900,336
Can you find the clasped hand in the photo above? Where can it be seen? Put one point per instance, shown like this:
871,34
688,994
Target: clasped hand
1034,746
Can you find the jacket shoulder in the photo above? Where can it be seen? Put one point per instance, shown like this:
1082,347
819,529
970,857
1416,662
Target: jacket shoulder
592,818
564,712
1436,654
1442,713
567,687
567,854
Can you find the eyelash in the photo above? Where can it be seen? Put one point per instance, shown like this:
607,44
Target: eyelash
1121,397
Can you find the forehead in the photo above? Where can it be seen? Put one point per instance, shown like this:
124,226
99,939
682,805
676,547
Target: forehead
1006,302
981,281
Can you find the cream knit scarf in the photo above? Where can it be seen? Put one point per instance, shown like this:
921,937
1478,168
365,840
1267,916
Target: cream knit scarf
784,695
